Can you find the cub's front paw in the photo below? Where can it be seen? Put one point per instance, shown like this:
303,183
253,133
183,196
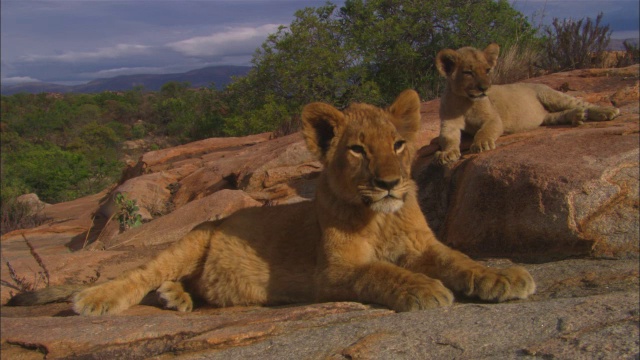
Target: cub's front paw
99,300
446,157
422,292
174,296
480,145
503,284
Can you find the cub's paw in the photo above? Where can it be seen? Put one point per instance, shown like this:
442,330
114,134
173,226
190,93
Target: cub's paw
480,145
174,297
99,300
602,113
503,284
577,116
446,157
422,292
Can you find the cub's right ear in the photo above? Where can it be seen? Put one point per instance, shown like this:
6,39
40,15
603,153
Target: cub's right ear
446,61
320,125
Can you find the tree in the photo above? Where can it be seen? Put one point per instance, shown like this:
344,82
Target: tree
399,39
367,51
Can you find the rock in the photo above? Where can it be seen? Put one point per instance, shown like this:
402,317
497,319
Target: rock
172,227
151,192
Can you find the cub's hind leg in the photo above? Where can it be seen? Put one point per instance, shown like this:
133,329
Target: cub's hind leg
575,116
182,259
566,109
602,113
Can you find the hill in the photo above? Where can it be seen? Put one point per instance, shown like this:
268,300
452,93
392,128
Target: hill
219,75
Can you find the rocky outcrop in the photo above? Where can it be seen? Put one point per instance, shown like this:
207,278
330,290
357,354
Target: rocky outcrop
541,197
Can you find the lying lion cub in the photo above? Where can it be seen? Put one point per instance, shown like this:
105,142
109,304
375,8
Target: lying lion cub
363,238
472,105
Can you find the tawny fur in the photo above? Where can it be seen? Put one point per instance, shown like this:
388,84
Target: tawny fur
362,239
471,104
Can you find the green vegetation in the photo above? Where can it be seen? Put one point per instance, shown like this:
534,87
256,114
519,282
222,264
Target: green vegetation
66,146
128,215
573,44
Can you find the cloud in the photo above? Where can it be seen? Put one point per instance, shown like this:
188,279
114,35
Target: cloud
232,41
114,52
17,80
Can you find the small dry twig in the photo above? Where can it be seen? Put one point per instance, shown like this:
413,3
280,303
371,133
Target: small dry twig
44,273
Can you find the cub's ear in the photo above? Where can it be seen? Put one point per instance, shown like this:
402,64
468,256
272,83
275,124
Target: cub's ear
320,124
406,114
491,52
446,61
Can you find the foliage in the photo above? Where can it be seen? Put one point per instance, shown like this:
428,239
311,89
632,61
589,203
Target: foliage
366,51
630,56
398,40
574,44
127,214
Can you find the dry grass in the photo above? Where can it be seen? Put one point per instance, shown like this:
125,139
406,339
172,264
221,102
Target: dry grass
21,283
516,63
289,126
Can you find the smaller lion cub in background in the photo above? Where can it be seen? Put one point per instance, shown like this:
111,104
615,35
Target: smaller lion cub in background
471,104
363,238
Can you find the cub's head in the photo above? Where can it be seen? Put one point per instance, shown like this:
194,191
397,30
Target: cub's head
366,151
467,69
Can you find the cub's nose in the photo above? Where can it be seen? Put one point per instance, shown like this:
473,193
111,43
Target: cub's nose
386,184
483,87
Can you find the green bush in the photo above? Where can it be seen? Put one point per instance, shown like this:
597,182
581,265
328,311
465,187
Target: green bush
572,44
128,215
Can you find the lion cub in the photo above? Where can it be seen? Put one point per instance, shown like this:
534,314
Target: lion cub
472,105
362,239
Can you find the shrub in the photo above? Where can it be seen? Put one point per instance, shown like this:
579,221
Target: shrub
128,215
573,44
19,215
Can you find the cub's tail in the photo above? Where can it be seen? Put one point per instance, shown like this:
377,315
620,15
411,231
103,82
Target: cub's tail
45,296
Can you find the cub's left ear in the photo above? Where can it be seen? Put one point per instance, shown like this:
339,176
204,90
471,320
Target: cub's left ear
320,125
406,114
491,52
446,62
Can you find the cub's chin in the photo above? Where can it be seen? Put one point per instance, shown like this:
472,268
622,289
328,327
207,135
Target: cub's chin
387,205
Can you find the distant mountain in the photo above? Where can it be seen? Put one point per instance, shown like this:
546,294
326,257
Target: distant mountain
219,75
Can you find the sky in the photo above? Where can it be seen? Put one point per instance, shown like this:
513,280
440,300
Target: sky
75,41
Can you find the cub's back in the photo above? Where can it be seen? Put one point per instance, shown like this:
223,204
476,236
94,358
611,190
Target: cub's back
518,106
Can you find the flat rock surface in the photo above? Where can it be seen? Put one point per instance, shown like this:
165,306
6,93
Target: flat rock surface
582,309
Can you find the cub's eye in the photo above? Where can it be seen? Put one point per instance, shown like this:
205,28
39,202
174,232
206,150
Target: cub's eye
468,72
488,71
357,149
398,146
